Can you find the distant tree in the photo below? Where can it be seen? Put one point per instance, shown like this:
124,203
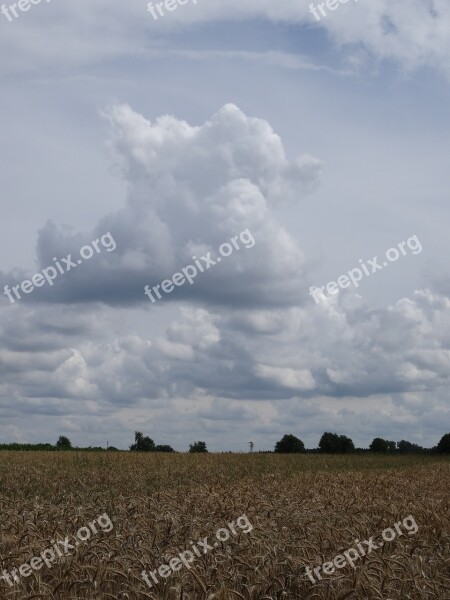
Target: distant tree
443,446
332,443
163,448
27,447
379,445
112,449
405,447
138,438
289,444
346,445
329,443
63,443
142,443
198,447
392,447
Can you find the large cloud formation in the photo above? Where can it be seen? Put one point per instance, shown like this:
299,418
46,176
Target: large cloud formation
190,190
249,351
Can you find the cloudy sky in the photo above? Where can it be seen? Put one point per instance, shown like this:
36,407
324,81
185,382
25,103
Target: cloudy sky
326,139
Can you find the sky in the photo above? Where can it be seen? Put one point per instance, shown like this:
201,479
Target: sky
319,145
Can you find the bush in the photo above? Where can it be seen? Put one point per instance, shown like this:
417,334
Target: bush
164,449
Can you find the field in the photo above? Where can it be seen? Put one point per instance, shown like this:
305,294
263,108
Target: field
289,512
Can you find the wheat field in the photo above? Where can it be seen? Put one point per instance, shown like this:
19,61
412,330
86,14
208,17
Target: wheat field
304,511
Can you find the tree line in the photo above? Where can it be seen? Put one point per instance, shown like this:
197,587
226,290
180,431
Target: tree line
330,443
141,444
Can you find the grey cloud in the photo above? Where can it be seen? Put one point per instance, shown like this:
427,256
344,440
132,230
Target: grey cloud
191,188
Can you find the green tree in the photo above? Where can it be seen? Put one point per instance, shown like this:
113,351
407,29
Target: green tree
198,447
289,444
392,447
346,445
142,443
63,443
405,447
329,443
379,445
332,443
444,444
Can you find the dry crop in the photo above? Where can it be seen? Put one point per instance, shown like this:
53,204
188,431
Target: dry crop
304,510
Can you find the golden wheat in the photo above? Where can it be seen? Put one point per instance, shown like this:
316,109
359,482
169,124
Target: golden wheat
304,510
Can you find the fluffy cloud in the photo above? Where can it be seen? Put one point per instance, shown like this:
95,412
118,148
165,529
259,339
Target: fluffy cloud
340,349
414,33
219,366
190,190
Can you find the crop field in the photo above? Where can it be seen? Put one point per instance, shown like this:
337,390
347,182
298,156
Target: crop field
277,516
